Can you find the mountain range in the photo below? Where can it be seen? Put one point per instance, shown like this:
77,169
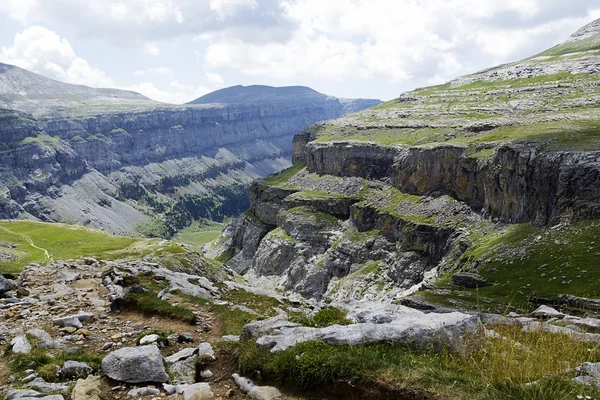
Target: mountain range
116,160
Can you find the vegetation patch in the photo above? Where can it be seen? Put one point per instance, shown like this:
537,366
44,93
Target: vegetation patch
325,317
149,304
500,368
284,176
44,362
526,265
42,242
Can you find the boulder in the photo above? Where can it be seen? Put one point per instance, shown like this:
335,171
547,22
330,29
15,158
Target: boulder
135,365
198,391
546,312
449,330
469,280
87,389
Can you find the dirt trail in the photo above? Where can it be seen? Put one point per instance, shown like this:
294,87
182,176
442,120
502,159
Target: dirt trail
28,239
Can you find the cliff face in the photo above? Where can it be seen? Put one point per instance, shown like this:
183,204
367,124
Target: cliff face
182,162
478,175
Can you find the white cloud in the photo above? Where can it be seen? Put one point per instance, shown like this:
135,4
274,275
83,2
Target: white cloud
214,78
18,9
397,41
41,50
151,49
154,71
224,8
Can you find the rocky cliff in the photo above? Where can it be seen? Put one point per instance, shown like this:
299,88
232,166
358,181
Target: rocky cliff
495,173
139,158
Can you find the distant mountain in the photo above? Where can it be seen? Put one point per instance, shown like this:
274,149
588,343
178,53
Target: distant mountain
258,93
116,160
26,91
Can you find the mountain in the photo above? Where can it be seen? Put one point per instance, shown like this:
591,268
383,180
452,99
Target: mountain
40,96
260,94
491,180
116,160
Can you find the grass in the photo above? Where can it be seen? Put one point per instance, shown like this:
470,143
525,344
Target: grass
525,263
232,319
199,235
44,362
147,303
284,176
496,369
62,242
324,317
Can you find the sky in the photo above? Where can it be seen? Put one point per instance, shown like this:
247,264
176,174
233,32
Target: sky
177,50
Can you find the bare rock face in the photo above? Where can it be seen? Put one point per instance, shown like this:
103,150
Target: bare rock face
135,365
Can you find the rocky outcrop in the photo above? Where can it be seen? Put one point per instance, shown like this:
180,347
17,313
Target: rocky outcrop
517,183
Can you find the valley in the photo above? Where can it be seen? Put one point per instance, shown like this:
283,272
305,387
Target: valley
277,243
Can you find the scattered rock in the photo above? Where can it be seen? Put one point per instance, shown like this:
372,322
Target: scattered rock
184,371
264,393
206,374
181,355
24,394
144,391
135,365
185,338
256,392
21,345
71,321
45,387
198,391
75,369
149,339
206,350
546,312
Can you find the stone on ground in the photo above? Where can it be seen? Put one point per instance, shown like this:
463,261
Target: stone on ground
20,345
87,389
546,312
135,365
144,391
198,391
75,369
27,394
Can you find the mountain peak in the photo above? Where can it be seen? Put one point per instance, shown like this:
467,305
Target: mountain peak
256,93
589,31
